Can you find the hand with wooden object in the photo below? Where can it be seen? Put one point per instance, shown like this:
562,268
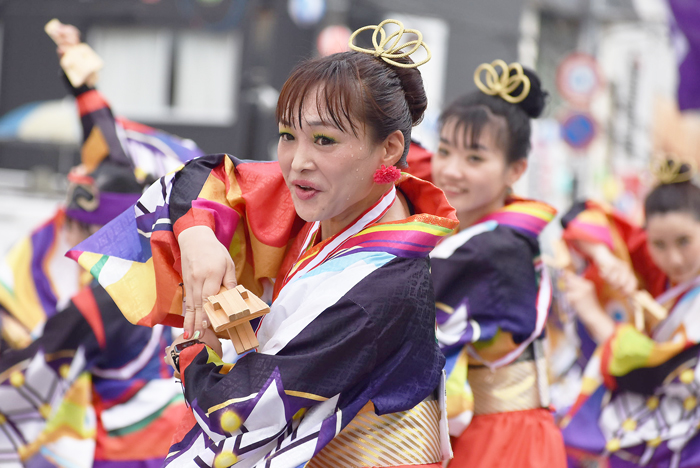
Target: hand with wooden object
78,60
206,266
231,311
619,275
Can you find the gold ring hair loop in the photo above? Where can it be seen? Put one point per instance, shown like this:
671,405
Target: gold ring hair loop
502,84
393,51
667,169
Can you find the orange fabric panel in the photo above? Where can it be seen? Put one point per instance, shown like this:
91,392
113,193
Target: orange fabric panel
518,439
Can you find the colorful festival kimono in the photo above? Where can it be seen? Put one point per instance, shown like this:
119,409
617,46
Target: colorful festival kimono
638,402
598,223
88,389
493,297
348,370
91,391
36,279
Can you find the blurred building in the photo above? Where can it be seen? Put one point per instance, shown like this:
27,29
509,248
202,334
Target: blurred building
611,67
210,70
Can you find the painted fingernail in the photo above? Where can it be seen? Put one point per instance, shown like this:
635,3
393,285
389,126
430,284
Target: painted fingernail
196,335
205,324
186,335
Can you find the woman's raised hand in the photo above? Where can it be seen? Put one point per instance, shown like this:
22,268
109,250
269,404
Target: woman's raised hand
206,265
614,271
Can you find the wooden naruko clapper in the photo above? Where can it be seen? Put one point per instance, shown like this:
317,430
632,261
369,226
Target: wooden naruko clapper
232,310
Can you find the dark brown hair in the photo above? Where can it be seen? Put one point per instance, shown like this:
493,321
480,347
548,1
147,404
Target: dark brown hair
356,88
512,121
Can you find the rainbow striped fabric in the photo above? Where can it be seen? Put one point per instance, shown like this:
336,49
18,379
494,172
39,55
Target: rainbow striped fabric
527,216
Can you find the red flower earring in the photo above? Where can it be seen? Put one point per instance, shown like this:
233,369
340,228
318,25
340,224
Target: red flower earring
387,175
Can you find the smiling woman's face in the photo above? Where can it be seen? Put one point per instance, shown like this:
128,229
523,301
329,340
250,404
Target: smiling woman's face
328,171
475,176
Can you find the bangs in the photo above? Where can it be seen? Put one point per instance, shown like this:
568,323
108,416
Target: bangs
339,96
470,123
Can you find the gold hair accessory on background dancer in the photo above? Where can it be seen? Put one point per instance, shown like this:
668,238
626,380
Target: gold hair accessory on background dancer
502,84
389,54
667,170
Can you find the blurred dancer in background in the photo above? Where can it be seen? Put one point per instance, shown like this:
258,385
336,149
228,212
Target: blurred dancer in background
639,400
493,293
83,387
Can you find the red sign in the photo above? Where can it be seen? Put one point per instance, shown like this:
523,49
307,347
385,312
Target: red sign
578,79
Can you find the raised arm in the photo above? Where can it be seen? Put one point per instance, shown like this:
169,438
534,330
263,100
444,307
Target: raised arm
615,246
246,206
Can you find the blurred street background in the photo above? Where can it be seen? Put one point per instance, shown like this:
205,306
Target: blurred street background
210,70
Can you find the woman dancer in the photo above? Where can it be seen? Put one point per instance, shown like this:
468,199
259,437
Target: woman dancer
88,389
492,291
349,343
638,405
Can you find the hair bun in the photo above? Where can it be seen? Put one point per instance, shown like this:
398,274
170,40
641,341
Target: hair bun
412,84
536,100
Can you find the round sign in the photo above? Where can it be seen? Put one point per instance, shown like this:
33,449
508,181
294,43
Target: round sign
333,39
306,13
578,130
578,78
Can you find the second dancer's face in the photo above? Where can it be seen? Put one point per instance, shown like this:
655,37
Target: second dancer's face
475,176
674,244
328,171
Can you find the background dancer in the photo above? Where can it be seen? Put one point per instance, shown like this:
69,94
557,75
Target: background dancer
638,404
88,388
492,291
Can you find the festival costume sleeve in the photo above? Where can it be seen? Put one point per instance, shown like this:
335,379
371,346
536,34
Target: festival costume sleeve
631,360
246,204
639,395
490,280
149,151
593,222
88,353
100,129
488,291
375,343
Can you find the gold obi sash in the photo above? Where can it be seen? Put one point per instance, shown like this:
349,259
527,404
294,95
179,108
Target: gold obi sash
516,387
406,438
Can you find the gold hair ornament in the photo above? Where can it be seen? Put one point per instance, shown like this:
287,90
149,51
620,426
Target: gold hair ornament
393,51
502,84
667,170
87,204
